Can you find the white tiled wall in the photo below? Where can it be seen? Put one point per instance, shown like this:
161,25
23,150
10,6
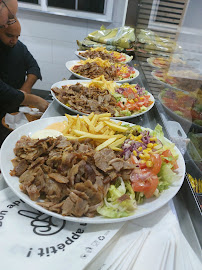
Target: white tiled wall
52,40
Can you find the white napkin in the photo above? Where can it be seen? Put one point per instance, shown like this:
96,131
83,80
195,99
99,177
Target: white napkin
33,240
15,121
154,242
32,111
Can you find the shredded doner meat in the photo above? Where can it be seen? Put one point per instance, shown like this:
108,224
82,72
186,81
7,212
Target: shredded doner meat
70,176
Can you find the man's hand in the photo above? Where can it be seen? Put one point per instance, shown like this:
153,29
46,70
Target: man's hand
42,104
35,101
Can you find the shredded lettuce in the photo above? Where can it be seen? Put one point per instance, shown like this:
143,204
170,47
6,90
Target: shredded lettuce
125,112
139,196
114,207
166,176
158,132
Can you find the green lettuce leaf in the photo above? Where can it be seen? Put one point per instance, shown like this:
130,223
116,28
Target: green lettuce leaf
114,207
158,132
166,176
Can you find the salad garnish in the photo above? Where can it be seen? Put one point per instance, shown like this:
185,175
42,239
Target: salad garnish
96,167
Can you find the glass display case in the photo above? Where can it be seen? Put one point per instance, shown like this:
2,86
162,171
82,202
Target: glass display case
169,51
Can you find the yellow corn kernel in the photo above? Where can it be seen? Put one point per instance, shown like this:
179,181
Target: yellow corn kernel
150,145
145,151
141,156
149,164
131,101
155,144
153,139
140,148
149,149
135,153
140,137
132,137
139,141
146,156
142,161
136,99
141,98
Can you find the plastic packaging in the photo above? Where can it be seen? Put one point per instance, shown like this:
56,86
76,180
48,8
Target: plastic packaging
120,39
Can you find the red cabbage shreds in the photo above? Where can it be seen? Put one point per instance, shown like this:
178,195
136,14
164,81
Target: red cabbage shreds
129,146
146,137
120,90
140,90
127,154
139,144
137,87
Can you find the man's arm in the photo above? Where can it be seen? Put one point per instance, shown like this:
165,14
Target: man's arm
32,69
11,97
30,81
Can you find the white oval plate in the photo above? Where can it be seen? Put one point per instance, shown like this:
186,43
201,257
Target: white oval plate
149,61
71,82
128,58
72,63
167,84
7,154
178,118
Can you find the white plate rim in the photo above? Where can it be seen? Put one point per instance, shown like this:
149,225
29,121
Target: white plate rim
174,115
7,154
81,113
70,64
167,84
128,58
149,61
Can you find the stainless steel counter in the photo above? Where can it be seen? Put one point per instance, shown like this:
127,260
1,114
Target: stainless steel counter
190,224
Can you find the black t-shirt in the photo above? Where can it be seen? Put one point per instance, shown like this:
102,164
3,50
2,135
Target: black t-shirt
15,64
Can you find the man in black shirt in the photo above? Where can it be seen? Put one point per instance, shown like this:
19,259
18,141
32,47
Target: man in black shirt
16,61
18,73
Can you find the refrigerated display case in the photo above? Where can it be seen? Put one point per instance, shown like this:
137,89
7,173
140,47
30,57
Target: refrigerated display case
169,51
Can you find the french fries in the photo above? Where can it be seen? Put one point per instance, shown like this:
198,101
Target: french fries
98,127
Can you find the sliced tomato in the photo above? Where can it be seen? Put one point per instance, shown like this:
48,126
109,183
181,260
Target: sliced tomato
132,106
157,162
122,58
154,181
121,105
143,180
170,81
159,74
138,176
129,92
196,115
167,153
125,75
